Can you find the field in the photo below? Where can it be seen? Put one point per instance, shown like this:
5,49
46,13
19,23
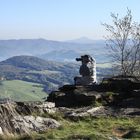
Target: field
18,90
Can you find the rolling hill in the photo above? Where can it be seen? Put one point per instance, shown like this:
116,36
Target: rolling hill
33,69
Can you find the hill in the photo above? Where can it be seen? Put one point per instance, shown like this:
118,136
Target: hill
31,63
33,69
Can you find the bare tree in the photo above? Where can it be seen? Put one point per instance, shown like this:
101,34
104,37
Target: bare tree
123,41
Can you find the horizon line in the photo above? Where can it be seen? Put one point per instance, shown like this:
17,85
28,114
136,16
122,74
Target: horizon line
66,40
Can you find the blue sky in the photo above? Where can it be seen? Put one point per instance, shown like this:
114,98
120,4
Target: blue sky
60,19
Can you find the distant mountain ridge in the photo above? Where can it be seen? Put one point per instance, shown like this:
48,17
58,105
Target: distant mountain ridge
61,56
47,49
82,40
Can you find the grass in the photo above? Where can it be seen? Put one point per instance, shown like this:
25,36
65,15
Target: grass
97,128
18,90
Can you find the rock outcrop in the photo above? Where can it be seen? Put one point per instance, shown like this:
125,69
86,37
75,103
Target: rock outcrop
26,124
113,97
24,118
71,96
111,91
76,114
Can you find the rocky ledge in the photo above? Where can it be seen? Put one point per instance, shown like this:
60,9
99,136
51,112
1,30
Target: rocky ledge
24,118
112,91
114,96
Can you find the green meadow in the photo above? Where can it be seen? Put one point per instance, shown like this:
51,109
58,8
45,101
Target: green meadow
18,90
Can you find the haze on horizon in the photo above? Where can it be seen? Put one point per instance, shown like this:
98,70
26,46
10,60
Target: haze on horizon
60,19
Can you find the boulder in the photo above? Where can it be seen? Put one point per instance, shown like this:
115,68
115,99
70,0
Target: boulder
17,118
120,83
111,97
82,113
26,124
135,93
27,108
71,96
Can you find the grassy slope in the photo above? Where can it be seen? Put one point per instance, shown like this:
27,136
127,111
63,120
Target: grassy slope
21,91
98,128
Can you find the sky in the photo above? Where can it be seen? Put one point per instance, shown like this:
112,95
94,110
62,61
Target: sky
60,19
